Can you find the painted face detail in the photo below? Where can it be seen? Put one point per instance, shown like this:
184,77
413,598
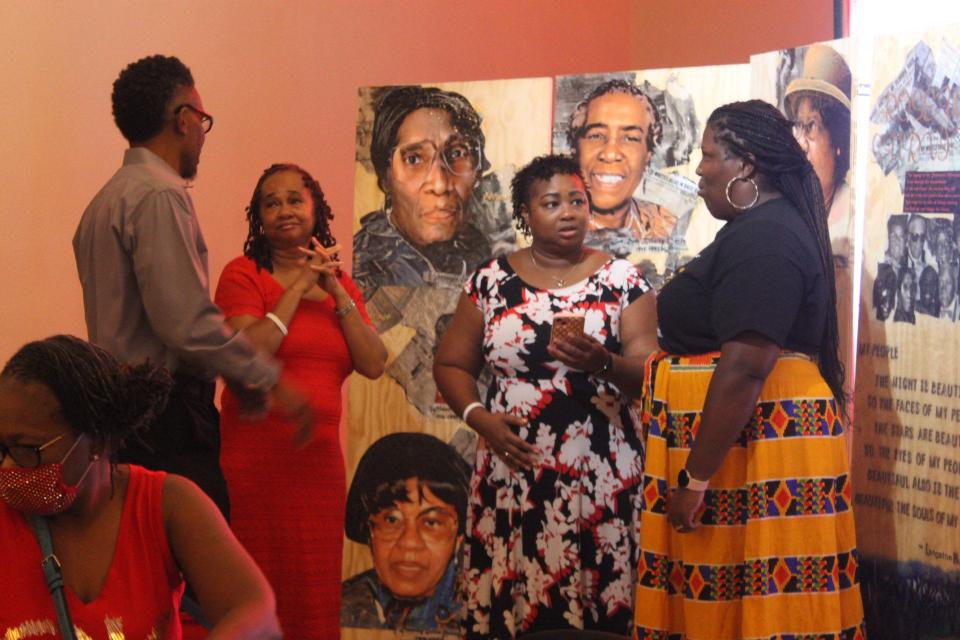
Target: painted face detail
908,291
814,139
947,287
613,149
884,303
432,174
412,542
916,230
897,243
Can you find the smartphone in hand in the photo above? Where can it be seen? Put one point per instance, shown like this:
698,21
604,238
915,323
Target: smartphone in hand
565,325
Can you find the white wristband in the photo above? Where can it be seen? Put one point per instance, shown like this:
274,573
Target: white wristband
277,321
470,407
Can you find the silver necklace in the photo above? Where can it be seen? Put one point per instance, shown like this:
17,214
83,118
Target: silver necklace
562,280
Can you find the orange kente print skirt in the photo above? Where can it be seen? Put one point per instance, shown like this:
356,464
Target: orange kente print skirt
775,556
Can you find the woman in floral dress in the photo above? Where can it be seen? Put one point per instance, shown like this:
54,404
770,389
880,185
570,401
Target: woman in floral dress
552,522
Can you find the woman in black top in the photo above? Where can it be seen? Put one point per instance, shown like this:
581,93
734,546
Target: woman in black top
746,529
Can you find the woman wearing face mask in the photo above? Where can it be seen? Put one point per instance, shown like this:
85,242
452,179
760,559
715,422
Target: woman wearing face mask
126,537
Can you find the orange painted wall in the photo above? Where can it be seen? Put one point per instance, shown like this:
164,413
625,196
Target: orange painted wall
281,79
682,33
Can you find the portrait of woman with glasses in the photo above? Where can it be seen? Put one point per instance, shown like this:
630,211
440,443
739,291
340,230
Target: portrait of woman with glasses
408,503
818,103
411,257
427,151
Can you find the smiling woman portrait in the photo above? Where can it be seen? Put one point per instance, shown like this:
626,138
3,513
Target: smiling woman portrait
288,295
613,133
555,490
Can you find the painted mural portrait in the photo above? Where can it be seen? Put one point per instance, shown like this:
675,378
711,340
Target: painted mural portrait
818,103
633,141
411,256
613,133
407,502
427,149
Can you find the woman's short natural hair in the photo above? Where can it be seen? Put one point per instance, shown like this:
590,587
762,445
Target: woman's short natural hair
384,468
540,168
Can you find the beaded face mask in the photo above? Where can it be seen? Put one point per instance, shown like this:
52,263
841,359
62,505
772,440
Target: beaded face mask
42,489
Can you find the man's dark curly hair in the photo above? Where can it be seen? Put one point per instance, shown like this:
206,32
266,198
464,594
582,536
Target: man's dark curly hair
98,395
540,168
257,246
400,102
142,92
577,123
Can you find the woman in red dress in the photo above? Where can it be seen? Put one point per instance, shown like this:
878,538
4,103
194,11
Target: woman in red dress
287,294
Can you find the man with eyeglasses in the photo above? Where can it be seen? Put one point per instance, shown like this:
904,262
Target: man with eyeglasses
142,263
896,253
917,258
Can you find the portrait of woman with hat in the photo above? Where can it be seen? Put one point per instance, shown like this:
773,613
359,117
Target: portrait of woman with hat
818,103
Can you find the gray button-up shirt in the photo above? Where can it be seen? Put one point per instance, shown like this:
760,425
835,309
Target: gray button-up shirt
143,267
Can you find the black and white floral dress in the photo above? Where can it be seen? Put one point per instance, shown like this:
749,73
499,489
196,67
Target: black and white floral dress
555,547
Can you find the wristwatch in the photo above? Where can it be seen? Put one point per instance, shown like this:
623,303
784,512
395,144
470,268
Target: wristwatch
607,366
687,481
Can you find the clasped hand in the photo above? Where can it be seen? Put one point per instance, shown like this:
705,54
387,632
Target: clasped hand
320,267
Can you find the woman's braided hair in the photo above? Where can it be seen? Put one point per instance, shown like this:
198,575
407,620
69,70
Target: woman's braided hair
98,395
761,135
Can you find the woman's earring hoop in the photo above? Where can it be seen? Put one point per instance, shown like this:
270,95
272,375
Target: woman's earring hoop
756,195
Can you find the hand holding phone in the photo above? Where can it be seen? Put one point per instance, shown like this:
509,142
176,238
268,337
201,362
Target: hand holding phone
566,325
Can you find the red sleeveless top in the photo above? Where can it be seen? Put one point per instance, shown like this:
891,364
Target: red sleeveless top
140,598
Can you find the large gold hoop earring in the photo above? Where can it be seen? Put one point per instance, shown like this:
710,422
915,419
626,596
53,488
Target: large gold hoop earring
756,195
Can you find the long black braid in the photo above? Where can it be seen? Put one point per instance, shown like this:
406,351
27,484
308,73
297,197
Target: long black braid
760,134
256,245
